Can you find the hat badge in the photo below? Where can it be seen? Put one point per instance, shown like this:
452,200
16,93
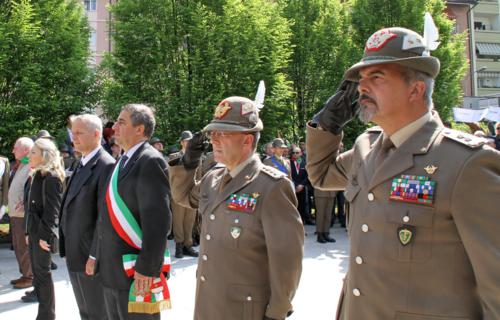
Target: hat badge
379,39
222,109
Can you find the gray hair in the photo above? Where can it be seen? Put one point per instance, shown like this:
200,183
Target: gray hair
411,75
91,121
51,159
25,142
256,138
141,114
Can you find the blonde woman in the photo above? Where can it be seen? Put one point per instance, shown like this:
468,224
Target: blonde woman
43,196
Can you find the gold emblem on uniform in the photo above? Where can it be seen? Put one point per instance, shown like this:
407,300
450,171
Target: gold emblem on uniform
430,169
235,232
405,235
222,109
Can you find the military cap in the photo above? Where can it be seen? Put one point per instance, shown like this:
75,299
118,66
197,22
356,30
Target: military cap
186,135
396,45
155,140
279,143
236,114
44,134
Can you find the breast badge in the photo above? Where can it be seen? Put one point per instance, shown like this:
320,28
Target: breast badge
405,234
235,232
413,189
243,202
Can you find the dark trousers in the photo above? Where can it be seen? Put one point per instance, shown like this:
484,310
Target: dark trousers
340,201
20,247
116,302
303,205
42,279
89,295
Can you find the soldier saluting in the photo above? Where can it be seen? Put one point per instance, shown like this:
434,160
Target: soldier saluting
251,236
423,224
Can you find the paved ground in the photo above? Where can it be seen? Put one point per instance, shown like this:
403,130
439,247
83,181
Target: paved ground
324,267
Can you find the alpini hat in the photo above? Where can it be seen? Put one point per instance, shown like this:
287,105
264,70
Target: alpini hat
236,114
396,45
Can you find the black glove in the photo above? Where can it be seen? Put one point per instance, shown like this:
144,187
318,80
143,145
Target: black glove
194,150
339,109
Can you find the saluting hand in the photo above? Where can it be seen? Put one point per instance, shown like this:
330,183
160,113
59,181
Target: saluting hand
340,108
142,284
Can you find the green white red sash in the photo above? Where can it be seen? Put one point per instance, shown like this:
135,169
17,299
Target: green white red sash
129,230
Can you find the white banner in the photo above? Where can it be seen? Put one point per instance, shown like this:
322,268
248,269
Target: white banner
469,115
493,114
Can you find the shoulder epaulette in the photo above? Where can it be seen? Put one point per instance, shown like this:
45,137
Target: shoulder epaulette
464,138
273,172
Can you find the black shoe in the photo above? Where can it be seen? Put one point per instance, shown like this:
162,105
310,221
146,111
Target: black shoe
189,251
178,250
327,238
170,236
29,292
53,266
29,298
321,238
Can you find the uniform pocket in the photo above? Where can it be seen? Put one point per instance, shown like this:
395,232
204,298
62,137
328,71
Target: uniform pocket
237,227
413,225
247,302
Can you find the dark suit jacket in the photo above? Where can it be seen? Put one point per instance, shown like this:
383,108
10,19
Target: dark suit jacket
300,176
41,214
143,186
79,211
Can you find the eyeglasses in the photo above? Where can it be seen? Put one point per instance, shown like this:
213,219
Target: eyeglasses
211,135
296,152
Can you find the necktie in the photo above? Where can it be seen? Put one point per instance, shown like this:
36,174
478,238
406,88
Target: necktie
387,145
123,161
224,181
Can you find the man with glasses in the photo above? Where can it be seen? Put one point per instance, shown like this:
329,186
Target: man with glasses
252,236
278,160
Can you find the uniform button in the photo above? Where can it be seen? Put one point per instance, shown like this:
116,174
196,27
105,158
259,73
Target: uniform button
364,228
356,292
406,219
202,278
236,220
249,298
205,257
32,201
208,237
371,197
359,260
212,217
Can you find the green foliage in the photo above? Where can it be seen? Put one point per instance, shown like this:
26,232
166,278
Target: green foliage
409,14
183,57
43,66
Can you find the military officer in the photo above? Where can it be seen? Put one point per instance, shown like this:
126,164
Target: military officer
424,215
278,159
252,236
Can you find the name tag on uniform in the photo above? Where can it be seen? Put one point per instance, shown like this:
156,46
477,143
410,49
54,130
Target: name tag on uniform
243,202
413,189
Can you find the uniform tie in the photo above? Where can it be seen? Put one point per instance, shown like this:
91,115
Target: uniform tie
224,181
387,145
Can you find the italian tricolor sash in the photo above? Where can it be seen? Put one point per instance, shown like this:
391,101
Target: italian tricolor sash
128,229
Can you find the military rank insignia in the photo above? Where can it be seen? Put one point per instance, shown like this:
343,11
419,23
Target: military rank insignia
243,202
413,189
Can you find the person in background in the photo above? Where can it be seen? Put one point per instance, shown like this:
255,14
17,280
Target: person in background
300,181
116,150
278,159
42,203
21,151
324,206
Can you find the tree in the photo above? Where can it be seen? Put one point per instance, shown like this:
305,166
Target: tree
322,51
43,66
410,14
183,57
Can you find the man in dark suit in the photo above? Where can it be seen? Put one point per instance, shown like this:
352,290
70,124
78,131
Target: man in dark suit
140,180
79,212
300,181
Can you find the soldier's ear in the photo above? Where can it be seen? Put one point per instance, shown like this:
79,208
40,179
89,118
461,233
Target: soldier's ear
417,90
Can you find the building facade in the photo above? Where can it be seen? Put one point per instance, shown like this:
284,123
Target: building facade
99,17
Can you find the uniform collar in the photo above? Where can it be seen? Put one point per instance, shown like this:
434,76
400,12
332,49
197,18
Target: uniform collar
403,134
241,166
86,159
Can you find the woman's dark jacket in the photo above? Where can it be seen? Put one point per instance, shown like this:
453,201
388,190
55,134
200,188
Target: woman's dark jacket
42,210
